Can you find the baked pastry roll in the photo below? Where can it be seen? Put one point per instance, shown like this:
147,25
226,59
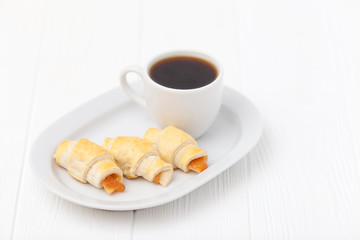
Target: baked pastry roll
89,162
136,157
178,148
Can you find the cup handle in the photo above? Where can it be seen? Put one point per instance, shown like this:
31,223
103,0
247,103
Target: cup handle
125,84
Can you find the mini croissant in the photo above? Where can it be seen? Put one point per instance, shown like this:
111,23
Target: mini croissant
136,157
88,162
178,148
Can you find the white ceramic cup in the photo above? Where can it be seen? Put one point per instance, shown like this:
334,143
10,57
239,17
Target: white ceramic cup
192,110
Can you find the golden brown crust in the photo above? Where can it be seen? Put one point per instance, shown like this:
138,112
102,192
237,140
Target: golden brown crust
175,146
85,154
128,152
152,135
61,150
86,151
86,161
137,157
171,141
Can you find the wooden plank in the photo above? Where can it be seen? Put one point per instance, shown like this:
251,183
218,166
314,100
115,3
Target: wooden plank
297,61
85,43
219,209
20,25
303,183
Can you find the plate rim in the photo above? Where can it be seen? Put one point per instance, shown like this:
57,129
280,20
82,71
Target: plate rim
231,155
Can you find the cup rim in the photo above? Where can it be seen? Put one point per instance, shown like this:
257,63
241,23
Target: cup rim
184,53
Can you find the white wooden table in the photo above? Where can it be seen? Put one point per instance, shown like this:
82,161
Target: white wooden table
298,61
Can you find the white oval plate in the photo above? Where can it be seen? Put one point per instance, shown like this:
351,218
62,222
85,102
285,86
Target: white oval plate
234,133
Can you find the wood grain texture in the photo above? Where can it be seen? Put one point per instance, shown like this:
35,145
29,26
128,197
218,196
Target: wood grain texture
19,46
83,47
307,189
301,178
207,26
297,61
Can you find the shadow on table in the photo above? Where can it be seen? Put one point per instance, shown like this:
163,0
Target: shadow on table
223,198
229,189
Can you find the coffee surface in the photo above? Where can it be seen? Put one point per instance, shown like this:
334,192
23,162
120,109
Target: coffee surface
183,72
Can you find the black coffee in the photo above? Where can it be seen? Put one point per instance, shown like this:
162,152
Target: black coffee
183,72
